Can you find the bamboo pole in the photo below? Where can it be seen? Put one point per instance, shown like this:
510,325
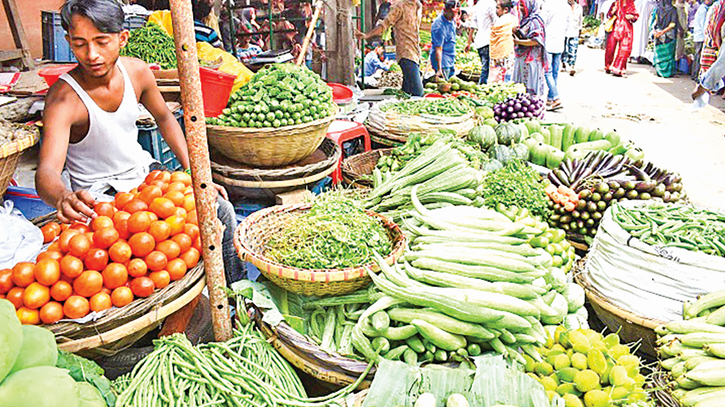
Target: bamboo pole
310,32
204,192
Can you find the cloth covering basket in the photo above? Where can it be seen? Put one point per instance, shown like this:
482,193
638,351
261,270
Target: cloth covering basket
631,326
10,153
355,168
249,182
119,328
269,147
395,128
251,237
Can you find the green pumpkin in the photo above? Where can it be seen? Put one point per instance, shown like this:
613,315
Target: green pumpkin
508,133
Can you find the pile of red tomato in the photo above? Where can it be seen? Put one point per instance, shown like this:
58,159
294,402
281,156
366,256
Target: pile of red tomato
141,241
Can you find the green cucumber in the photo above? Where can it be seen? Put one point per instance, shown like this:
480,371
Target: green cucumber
441,321
567,137
581,135
596,135
557,133
380,321
415,343
547,136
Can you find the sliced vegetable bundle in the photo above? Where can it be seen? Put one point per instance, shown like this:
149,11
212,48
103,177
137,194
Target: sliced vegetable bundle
693,352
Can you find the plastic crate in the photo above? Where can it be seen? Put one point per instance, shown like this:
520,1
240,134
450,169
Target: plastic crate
56,48
151,140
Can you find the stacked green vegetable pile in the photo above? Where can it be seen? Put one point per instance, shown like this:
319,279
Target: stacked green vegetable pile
588,369
279,95
451,86
244,371
432,107
469,63
333,234
680,226
502,143
152,45
28,372
693,351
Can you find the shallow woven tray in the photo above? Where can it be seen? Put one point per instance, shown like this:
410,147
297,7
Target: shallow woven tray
119,328
251,237
269,147
326,156
310,358
10,155
354,168
631,327
387,139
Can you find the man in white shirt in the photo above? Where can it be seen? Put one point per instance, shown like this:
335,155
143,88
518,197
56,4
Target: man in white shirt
698,35
483,15
573,29
556,14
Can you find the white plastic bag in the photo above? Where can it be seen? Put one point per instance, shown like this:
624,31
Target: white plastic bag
647,280
20,240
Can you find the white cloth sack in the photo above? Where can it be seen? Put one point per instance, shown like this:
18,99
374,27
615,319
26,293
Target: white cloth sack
20,240
650,281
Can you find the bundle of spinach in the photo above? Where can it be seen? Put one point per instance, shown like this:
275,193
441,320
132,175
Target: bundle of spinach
84,370
516,184
334,233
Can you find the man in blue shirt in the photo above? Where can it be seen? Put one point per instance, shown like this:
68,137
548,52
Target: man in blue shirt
443,39
373,61
204,33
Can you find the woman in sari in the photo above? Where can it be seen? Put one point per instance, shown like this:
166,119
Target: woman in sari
620,39
713,36
530,64
665,26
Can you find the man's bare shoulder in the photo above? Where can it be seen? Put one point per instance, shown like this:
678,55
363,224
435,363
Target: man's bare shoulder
62,94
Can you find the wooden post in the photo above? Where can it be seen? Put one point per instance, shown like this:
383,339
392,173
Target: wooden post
204,193
16,28
340,42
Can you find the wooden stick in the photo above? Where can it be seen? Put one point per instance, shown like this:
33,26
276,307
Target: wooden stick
204,192
310,32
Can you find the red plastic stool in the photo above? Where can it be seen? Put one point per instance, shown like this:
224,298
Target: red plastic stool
342,131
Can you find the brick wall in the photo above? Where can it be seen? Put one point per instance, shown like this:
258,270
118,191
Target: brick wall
30,17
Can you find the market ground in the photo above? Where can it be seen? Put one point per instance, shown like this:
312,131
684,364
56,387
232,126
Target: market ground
657,115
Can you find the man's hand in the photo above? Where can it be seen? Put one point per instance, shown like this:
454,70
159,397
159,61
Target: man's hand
76,206
439,74
467,49
360,35
221,190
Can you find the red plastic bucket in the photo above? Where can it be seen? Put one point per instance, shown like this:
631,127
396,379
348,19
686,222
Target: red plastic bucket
51,75
341,94
215,90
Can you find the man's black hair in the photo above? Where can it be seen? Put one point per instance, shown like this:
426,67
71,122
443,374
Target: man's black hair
201,9
106,15
506,4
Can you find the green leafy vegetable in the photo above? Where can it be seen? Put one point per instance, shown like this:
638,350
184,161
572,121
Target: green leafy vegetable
334,233
516,184
435,107
84,370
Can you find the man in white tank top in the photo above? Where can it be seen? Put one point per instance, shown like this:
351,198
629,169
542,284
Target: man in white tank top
90,121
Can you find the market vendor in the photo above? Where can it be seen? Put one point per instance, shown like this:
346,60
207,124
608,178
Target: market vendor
203,32
404,17
374,65
443,39
90,128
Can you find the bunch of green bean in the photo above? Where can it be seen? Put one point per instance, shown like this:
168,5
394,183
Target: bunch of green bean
682,226
244,371
152,45
435,107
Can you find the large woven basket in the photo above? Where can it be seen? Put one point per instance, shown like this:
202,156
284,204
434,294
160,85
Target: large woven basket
355,168
119,328
243,181
251,237
10,154
631,327
269,147
307,356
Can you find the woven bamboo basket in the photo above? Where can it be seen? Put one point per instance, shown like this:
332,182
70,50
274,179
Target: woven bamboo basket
269,147
631,326
119,328
311,359
356,167
257,183
10,154
251,237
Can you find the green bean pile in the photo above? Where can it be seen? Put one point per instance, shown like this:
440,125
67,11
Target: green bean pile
434,107
244,371
152,45
334,234
670,225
